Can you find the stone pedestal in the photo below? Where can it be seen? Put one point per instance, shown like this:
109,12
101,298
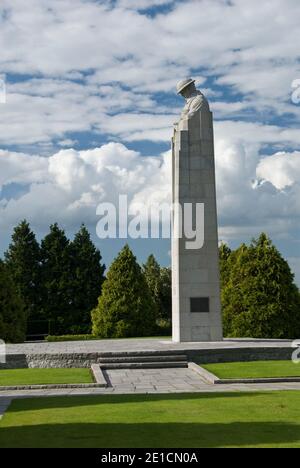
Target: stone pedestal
195,273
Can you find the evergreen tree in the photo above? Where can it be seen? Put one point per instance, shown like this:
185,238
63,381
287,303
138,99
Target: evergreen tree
260,299
159,283
224,254
23,261
151,270
87,280
57,288
125,307
166,294
12,313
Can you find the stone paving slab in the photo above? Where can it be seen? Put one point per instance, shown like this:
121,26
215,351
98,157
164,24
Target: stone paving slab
159,390
86,353
126,345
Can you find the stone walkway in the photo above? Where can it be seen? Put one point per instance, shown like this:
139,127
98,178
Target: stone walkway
126,345
154,380
147,381
143,381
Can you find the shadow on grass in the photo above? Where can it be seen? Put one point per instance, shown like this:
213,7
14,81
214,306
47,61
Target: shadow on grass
71,401
154,435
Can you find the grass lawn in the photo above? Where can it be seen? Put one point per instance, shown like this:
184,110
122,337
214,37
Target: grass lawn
254,370
44,376
266,419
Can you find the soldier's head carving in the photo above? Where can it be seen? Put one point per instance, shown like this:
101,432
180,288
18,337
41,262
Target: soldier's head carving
195,100
186,87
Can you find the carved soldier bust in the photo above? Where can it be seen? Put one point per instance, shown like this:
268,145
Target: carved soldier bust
195,100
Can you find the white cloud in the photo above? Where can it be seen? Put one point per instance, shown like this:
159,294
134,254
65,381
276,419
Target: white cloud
67,186
281,169
40,110
80,48
97,66
21,168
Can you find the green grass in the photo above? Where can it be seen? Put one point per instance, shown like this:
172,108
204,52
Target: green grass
254,370
269,419
13,377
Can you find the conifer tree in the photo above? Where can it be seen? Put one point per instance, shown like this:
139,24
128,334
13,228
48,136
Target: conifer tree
12,310
87,279
159,283
224,254
166,294
125,308
57,291
151,270
260,298
23,261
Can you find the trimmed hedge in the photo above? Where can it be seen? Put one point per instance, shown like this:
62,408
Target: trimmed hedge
53,339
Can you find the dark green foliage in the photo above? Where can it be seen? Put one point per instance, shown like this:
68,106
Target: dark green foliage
57,290
12,313
87,279
259,297
23,261
59,282
125,308
166,294
57,339
224,252
159,283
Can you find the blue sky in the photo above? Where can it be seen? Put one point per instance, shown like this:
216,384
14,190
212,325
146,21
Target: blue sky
91,101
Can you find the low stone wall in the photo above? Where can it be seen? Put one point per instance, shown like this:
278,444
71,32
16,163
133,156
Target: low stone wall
201,356
22,361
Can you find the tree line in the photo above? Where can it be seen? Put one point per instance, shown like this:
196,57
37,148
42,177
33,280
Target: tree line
64,282
259,296
58,282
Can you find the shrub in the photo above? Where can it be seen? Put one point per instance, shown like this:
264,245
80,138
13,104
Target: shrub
125,308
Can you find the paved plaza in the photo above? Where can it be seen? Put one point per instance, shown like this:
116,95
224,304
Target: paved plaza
132,345
130,381
143,381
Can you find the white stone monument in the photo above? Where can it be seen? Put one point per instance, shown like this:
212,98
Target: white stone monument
196,306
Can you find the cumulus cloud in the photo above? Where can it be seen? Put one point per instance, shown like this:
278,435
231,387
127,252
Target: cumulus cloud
68,186
41,110
281,169
80,63
21,168
76,74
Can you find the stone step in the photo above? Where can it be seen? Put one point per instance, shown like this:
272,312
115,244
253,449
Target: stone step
155,353
152,358
144,365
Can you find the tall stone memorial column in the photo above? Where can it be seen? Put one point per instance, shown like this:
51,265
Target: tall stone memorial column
196,307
